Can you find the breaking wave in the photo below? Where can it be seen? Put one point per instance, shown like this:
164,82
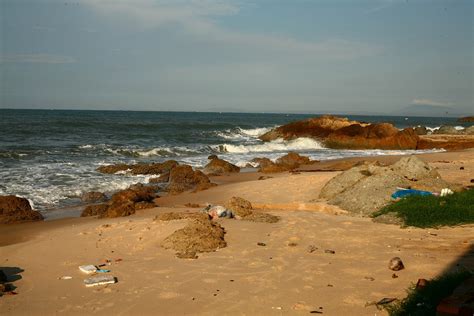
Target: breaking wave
278,145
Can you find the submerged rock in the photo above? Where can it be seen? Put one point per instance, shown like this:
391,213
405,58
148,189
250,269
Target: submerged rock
14,209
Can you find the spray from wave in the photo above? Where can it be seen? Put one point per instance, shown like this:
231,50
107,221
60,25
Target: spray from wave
278,145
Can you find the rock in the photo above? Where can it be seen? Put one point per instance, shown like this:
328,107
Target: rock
184,178
273,168
414,169
466,119
95,210
172,216
93,196
3,277
469,130
242,209
445,129
264,178
124,203
111,169
261,162
448,142
396,264
239,206
374,136
14,209
317,127
210,157
119,209
366,188
200,235
153,168
421,130
292,160
164,178
337,132
219,166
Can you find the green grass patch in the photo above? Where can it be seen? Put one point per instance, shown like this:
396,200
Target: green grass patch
433,211
423,301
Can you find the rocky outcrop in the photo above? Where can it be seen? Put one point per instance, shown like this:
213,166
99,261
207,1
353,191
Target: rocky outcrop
153,168
366,188
124,203
218,166
466,119
337,132
14,209
318,127
184,178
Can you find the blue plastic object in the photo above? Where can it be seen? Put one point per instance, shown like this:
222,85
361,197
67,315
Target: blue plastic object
409,192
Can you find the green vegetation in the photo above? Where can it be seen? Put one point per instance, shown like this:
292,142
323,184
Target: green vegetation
433,211
423,301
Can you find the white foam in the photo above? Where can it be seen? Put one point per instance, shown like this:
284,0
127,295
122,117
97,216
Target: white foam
242,134
278,145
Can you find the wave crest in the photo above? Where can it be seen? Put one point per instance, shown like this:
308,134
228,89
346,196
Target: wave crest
299,144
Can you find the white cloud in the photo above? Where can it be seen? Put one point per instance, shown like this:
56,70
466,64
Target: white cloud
430,102
196,18
37,58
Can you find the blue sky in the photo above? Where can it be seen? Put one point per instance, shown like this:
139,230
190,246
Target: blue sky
374,56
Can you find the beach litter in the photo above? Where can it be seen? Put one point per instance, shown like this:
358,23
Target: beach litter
401,193
88,269
100,280
216,211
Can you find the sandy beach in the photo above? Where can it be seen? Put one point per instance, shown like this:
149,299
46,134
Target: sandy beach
281,276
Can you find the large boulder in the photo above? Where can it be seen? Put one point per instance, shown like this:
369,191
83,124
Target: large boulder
337,132
421,130
217,166
14,209
184,178
366,188
242,209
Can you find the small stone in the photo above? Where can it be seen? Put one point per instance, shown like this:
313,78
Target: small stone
369,278
292,244
329,251
395,264
311,248
461,168
261,244
394,276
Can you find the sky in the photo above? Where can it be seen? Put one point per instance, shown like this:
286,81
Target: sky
293,56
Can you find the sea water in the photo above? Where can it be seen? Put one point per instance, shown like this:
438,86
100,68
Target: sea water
51,156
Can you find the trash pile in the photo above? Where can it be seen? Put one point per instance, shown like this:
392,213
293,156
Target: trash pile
367,187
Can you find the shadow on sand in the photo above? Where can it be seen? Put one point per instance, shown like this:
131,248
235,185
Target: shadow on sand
8,275
450,293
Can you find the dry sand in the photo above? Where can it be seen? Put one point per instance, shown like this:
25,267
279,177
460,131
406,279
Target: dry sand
281,278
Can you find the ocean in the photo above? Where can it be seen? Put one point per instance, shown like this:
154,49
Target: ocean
50,156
